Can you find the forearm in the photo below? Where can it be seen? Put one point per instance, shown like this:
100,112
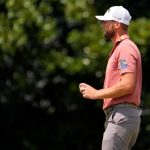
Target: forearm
113,92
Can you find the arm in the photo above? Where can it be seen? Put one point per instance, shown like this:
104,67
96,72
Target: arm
125,86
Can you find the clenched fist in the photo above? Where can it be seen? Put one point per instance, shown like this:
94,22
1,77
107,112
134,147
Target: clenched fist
88,91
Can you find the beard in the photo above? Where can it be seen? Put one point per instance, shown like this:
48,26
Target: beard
109,34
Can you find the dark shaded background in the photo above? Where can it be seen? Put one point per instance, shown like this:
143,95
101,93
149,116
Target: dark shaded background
40,105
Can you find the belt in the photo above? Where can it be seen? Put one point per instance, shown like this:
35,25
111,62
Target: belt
122,105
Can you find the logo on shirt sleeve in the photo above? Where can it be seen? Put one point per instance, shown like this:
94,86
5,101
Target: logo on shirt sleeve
123,64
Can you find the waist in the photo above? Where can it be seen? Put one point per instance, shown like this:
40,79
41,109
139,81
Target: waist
121,100
121,105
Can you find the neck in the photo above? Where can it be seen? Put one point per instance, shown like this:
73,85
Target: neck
119,36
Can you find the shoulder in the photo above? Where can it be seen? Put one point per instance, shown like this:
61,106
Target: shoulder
128,43
127,48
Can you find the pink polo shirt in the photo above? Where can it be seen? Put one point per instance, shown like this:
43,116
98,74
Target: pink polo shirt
125,57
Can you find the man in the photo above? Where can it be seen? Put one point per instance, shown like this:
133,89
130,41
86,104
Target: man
123,82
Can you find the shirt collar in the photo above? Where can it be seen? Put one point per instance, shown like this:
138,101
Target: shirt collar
121,38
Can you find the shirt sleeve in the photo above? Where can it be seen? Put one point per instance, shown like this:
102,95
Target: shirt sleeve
126,58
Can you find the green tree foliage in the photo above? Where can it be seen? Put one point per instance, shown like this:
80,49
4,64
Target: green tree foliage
47,48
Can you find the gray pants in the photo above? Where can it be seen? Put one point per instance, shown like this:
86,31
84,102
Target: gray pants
121,127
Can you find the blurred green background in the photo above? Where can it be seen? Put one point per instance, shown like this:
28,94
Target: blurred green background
47,47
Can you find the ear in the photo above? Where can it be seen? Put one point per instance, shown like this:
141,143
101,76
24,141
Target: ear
117,25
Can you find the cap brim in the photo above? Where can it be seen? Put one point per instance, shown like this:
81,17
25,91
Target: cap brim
103,18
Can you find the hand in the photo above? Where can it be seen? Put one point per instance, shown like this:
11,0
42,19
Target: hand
88,91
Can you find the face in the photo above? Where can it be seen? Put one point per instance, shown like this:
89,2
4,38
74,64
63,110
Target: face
109,30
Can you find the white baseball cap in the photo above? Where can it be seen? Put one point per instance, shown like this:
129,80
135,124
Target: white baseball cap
116,13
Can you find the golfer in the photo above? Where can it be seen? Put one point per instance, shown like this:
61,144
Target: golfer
123,82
